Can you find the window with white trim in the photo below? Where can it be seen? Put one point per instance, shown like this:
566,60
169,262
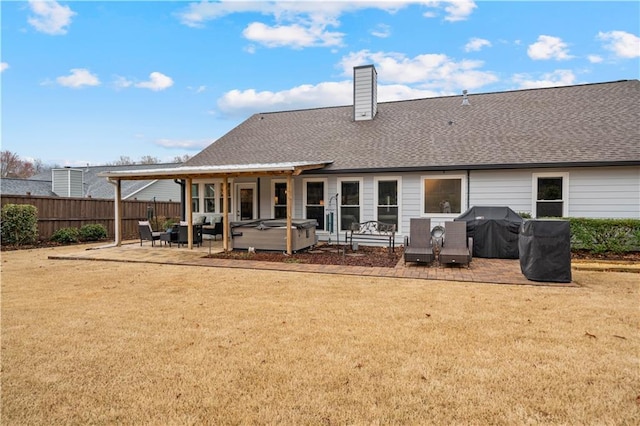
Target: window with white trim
550,194
350,202
210,198
314,201
279,199
195,197
387,200
442,195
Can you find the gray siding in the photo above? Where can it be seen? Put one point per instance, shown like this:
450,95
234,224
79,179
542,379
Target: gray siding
67,182
162,190
365,103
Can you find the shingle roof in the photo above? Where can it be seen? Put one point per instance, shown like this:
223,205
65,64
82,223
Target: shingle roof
94,186
16,186
584,124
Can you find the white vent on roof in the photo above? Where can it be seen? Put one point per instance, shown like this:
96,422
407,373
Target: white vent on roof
465,99
365,92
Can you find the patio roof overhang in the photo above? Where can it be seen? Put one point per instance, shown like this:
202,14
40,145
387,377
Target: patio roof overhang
227,170
188,173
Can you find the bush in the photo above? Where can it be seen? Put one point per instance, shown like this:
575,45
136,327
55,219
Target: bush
66,235
19,224
94,232
605,235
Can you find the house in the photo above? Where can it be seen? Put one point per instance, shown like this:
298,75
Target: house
84,182
570,151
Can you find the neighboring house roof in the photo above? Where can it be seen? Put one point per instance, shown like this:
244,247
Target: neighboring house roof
95,186
16,186
590,124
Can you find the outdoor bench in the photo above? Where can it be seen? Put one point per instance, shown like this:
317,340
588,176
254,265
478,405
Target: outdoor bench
372,230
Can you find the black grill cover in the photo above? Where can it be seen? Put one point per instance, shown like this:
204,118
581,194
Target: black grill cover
494,231
545,250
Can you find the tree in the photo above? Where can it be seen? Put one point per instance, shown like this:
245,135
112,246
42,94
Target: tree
148,159
181,158
12,166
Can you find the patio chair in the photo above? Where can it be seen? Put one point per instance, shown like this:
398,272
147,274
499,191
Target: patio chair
456,247
418,245
183,234
146,233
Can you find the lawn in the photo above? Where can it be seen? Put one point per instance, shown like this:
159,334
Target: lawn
89,342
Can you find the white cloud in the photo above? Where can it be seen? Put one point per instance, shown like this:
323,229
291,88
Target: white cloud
623,44
122,82
295,36
553,79
432,71
399,78
305,23
4,66
157,81
548,47
475,44
182,144
50,17
381,31
594,59
458,10
78,78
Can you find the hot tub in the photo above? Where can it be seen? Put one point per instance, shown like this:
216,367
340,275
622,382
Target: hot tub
271,234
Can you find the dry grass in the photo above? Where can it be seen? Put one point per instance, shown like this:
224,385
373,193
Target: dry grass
105,343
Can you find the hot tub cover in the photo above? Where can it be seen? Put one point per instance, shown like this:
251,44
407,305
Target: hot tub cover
494,230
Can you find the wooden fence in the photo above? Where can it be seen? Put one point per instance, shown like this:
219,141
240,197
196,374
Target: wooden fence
60,212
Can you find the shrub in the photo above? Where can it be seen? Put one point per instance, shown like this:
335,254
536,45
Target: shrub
19,224
66,235
605,235
93,232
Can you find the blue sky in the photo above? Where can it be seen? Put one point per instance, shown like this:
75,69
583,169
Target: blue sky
86,82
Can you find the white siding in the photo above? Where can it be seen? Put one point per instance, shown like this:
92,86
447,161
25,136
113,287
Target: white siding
605,192
596,192
511,188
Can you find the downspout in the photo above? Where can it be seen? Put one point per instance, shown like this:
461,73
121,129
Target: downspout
117,211
468,188
182,197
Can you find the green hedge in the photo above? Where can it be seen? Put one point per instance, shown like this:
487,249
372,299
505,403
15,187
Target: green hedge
605,235
93,232
19,224
66,235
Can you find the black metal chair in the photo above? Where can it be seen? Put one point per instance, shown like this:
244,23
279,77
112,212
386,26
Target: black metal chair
148,234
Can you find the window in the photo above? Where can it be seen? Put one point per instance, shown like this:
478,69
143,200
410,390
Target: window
195,197
550,192
443,195
387,201
209,198
350,201
314,202
280,200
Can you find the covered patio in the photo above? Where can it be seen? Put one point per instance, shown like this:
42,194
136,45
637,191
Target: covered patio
224,172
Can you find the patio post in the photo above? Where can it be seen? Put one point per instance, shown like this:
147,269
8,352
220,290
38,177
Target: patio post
289,208
225,214
189,213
